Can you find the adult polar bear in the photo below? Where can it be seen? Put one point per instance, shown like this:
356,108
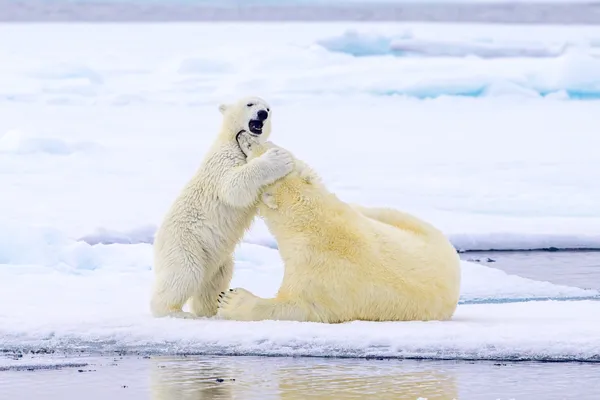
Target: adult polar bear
193,248
344,262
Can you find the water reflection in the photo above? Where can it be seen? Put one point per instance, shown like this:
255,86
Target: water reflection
202,377
177,378
255,378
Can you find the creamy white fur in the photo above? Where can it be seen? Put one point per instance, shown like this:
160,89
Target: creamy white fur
193,249
346,262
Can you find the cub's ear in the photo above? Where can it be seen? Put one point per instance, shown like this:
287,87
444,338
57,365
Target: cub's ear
223,108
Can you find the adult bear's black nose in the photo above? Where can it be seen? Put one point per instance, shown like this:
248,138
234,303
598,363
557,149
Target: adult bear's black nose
262,115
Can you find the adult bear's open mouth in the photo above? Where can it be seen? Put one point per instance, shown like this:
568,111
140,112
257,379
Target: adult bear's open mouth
255,126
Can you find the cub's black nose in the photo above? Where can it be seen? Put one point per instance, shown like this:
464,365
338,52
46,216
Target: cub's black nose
262,115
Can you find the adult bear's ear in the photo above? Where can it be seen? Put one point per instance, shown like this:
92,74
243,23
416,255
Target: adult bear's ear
223,108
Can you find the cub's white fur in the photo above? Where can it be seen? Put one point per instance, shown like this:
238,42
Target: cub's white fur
193,249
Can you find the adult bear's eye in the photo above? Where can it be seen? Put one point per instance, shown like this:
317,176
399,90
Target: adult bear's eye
250,104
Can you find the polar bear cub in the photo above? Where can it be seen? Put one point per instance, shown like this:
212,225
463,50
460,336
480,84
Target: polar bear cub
194,245
344,262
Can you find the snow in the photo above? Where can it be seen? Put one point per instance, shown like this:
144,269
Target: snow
16,142
549,331
484,133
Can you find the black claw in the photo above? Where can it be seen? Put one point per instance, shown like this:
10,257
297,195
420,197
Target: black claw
231,290
218,300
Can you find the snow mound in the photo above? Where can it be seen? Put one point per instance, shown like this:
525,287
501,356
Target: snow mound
66,71
200,66
360,44
578,74
16,142
143,234
523,241
446,48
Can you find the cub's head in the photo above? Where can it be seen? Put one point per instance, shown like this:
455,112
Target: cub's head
250,114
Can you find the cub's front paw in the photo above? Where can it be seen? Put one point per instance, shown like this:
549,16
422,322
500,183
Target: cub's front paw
306,173
279,162
247,143
269,199
236,304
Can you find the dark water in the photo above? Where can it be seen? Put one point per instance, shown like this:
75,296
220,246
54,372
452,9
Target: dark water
178,378
165,10
571,268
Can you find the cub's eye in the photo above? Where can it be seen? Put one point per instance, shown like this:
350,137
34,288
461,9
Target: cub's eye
268,110
249,104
